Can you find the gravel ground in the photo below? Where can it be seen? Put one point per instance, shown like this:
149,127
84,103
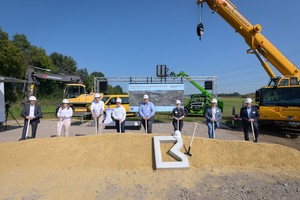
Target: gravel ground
47,128
213,184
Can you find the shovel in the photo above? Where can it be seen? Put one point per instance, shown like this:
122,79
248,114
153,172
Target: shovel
59,127
213,129
27,128
253,131
96,125
189,150
146,126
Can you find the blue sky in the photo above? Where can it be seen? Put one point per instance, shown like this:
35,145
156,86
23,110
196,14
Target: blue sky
129,38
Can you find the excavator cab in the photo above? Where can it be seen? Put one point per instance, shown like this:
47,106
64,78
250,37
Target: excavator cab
74,90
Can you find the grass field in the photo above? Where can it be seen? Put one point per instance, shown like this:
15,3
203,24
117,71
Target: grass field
49,106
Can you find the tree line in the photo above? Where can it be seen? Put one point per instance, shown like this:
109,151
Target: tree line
18,53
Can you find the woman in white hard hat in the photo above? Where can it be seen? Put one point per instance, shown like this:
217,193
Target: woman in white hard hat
119,114
31,113
147,112
249,116
178,114
64,114
213,116
97,110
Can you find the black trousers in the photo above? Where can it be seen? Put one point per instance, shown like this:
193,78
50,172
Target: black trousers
149,124
34,125
175,125
118,126
246,127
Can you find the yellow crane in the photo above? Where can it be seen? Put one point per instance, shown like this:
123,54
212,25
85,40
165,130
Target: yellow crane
279,101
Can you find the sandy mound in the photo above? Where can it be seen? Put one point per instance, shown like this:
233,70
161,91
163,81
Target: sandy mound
121,166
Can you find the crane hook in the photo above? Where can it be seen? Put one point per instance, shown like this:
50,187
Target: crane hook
200,30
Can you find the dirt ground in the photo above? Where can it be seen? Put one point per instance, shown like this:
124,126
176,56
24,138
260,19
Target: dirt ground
121,166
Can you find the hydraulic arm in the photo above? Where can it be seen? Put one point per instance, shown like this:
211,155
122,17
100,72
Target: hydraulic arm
258,44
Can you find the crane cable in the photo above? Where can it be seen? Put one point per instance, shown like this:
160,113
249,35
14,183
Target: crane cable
200,27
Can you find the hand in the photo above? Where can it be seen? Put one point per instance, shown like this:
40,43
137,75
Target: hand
251,120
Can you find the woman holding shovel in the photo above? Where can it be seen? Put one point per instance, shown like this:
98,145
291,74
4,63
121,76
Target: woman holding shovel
249,116
178,114
213,116
119,114
64,114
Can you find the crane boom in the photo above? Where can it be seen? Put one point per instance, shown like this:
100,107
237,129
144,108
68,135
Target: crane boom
255,40
279,101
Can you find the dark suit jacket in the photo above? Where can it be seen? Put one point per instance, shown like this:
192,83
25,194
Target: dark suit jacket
244,114
37,112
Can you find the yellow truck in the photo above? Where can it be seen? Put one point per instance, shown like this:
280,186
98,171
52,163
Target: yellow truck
110,102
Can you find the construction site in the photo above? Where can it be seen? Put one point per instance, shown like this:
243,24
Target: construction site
160,164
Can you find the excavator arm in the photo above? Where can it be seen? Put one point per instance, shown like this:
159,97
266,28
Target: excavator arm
258,44
34,73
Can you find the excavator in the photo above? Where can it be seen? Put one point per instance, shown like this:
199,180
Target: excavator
279,100
197,102
74,91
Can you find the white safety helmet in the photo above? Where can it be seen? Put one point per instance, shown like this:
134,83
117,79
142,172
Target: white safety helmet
146,96
97,95
65,101
119,100
214,101
248,100
178,102
177,134
32,98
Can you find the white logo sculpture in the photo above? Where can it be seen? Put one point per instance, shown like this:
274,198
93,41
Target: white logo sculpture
183,162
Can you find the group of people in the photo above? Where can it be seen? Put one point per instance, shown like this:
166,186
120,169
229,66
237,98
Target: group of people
32,114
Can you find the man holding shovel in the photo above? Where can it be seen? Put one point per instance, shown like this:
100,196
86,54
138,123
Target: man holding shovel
97,109
213,116
31,114
249,116
147,111
119,114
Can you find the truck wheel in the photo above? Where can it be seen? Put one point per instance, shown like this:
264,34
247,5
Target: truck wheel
186,111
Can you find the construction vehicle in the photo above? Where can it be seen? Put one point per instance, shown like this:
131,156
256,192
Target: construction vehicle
197,103
279,100
110,102
74,91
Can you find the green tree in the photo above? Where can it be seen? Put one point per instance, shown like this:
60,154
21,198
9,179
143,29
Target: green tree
65,64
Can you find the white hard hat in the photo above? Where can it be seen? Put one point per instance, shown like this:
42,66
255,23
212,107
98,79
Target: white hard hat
177,134
178,102
97,95
32,98
248,100
214,100
65,101
119,100
146,96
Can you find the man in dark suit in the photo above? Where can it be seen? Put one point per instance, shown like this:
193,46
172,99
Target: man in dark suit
31,112
249,114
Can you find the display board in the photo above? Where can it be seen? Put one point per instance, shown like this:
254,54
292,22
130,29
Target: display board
162,95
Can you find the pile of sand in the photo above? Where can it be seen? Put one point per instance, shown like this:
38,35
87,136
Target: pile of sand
121,166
